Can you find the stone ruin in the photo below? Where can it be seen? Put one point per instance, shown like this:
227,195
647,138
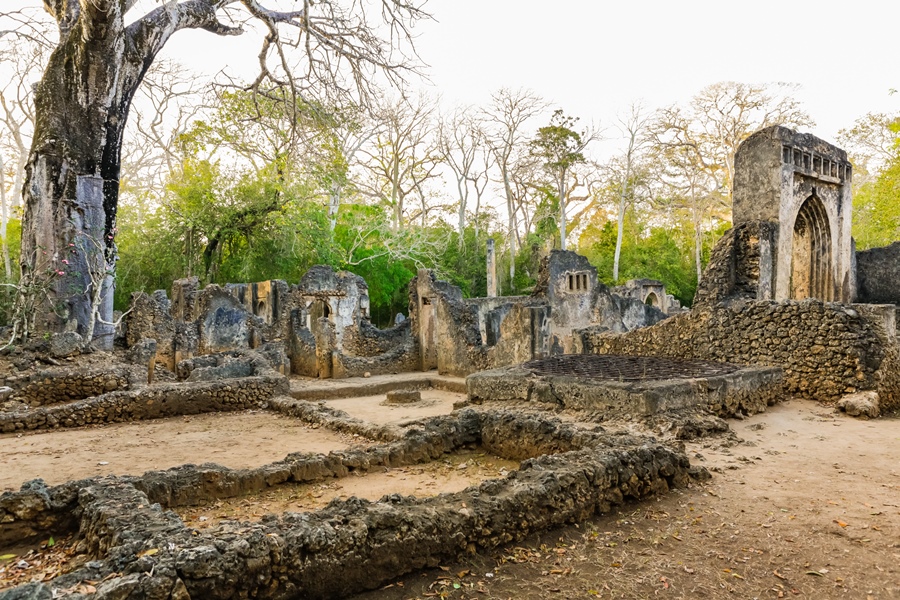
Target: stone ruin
785,287
773,316
321,327
651,292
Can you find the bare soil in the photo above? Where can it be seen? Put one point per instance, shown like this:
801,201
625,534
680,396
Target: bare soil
452,473
237,440
375,409
807,505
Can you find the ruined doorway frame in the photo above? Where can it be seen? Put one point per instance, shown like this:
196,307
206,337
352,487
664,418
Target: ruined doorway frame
812,262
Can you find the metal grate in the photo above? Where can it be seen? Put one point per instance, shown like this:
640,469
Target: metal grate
613,367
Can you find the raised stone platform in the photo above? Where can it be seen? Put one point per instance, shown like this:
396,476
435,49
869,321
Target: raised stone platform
632,385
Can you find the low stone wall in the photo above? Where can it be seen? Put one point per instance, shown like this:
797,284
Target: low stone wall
366,340
355,545
744,392
400,359
826,350
57,385
158,401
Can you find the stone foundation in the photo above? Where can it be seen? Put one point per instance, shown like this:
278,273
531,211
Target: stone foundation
826,350
350,545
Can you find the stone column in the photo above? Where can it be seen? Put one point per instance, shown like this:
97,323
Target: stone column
491,269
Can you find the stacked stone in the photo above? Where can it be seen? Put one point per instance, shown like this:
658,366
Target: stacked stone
826,350
66,385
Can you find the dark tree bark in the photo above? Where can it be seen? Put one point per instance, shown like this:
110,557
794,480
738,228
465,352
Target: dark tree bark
81,107
72,176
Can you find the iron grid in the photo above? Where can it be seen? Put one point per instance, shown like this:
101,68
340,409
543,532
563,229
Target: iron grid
613,367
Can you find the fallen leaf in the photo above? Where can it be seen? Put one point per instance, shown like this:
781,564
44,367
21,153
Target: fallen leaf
841,523
816,573
149,552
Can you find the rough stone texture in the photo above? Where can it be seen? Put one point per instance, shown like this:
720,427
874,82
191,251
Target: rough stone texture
578,299
163,400
351,545
142,352
302,344
224,323
734,268
651,292
861,404
878,275
888,380
459,336
67,343
826,350
150,318
802,185
403,396
61,384
747,391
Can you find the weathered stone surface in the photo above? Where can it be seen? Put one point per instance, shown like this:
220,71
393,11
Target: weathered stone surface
878,275
355,545
63,384
861,404
67,343
826,350
403,396
802,186
142,352
746,391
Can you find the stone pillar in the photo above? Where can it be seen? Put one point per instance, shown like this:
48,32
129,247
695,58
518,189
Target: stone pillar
491,269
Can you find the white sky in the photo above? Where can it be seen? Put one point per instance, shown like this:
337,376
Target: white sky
592,58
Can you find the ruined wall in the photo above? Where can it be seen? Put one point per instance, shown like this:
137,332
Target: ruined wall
826,350
159,401
878,275
740,266
350,545
55,386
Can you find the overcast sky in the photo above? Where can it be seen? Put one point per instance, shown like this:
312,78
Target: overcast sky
592,58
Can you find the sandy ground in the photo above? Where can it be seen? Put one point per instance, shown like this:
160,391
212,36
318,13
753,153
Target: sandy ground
374,409
808,506
237,440
452,473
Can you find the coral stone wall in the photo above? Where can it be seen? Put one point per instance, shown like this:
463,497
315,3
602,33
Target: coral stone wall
826,350
878,275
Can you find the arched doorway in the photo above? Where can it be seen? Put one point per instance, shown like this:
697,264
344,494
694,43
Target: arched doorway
651,300
812,272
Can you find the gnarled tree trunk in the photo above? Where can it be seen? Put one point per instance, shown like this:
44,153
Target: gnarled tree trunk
71,187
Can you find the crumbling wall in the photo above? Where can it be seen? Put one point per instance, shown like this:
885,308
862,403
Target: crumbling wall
156,402
58,385
826,350
740,266
350,545
150,318
878,275
365,339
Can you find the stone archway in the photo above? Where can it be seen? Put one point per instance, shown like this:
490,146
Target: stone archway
651,300
812,268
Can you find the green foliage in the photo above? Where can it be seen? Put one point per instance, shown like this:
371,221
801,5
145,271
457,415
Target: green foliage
558,145
662,253
876,204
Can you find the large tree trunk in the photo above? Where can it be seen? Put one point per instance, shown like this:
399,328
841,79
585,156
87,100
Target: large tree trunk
71,187
72,176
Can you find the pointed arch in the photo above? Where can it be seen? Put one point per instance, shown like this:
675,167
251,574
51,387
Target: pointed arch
812,269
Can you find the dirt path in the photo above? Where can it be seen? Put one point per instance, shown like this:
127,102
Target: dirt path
807,507
237,440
